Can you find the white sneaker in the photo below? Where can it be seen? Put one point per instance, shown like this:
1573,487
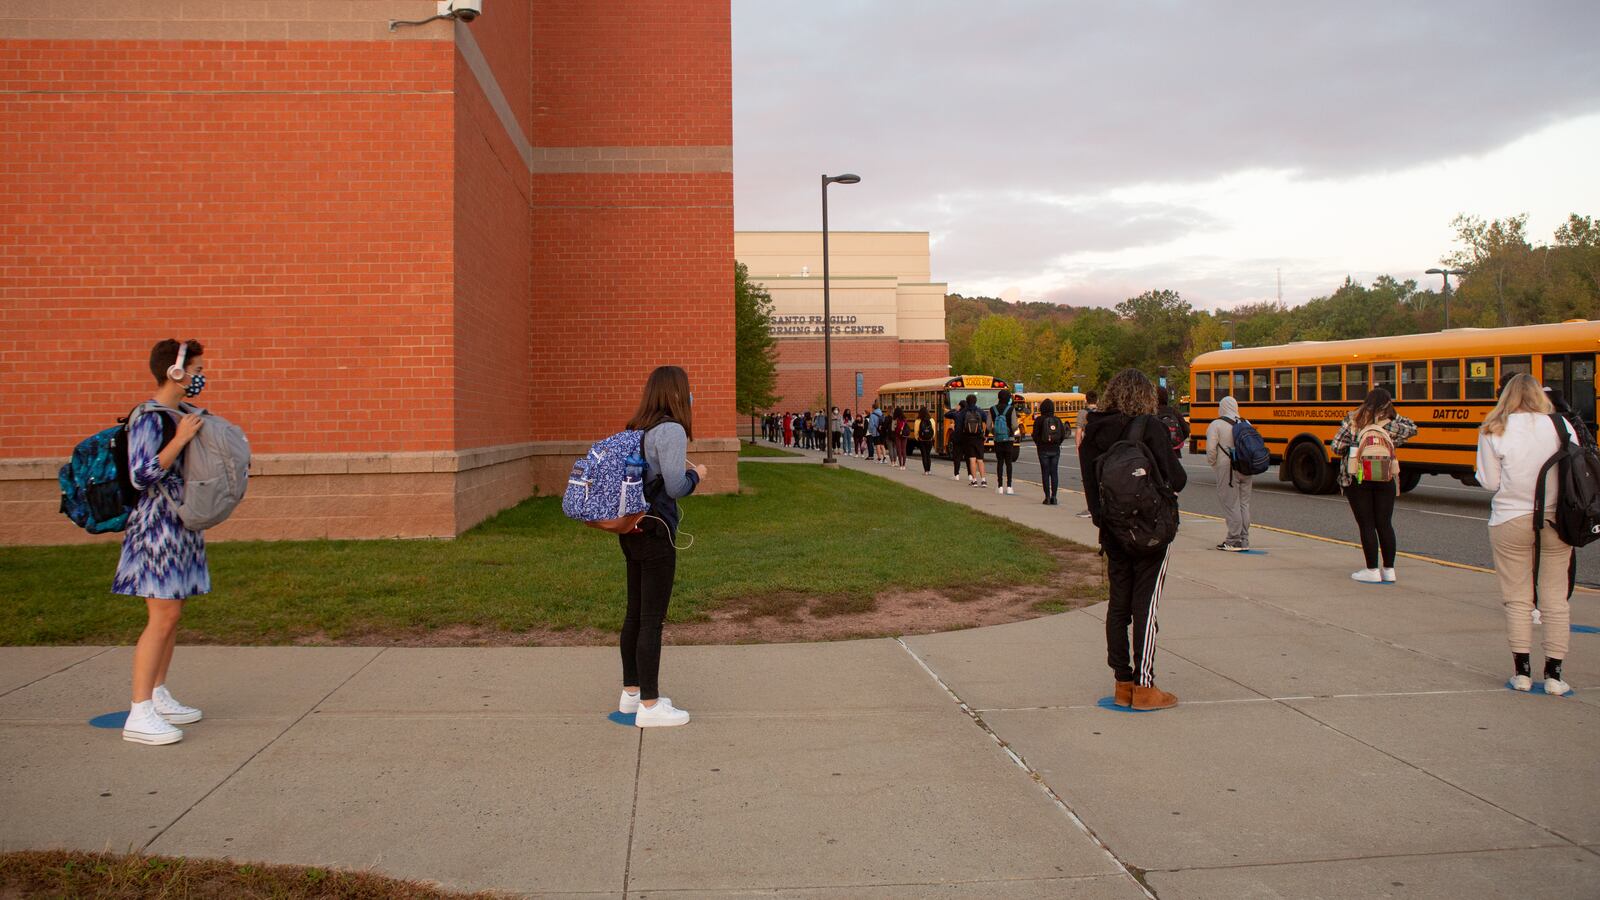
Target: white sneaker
1011,490
1388,576
629,704
983,482
662,715
168,707
1521,683
145,726
956,476
1555,687
1085,515
1000,490
1368,576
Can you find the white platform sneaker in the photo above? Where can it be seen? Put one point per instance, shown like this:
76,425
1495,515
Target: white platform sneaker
168,707
662,715
629,704
145,726
1388,576
1368,576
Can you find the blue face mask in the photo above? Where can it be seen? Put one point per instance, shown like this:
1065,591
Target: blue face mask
197,383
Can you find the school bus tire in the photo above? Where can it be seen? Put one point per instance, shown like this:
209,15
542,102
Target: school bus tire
1309,469
1409,481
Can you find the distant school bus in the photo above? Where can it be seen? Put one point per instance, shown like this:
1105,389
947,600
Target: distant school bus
1297,394
939,395
1069,405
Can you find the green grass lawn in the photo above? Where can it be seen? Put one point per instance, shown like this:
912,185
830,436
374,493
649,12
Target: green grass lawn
839,533
747,449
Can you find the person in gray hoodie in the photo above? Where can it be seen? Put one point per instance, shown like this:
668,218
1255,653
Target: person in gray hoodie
1233,488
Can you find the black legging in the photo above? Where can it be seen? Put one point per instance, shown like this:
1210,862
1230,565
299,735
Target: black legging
1049,461
652,563
1005,454
927,455
1373,505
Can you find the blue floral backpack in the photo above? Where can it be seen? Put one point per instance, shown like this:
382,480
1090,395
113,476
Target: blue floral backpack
96,492
606,487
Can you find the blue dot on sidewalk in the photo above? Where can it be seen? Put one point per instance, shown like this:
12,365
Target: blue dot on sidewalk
622,718
1586,629
1538,688
1111,704
110,720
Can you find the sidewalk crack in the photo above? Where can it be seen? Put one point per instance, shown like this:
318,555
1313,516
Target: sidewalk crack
633,814
1134,872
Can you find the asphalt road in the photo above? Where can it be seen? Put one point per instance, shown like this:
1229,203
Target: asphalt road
1441,518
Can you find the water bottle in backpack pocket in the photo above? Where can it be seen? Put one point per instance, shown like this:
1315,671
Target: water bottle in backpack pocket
606,487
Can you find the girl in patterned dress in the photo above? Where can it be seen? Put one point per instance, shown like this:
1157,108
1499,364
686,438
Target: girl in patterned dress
162,561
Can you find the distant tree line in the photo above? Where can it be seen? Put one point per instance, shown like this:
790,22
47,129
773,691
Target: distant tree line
1509,280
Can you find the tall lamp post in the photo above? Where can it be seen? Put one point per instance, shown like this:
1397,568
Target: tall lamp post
827,319
1232,339
1447,273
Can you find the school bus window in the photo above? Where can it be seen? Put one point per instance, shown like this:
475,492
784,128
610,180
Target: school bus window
1241,384
1285,384
1414,380
1202,387
1355,382
1307,380
1330,383
1514,365
1261,386
1480,379
1383,377
1221,386
1447,379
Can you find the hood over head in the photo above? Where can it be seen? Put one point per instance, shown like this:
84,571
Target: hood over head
1229,408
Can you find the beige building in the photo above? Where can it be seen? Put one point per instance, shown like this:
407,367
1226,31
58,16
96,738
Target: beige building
888,314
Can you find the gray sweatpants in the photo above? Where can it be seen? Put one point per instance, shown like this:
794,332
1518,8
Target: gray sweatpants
1233,492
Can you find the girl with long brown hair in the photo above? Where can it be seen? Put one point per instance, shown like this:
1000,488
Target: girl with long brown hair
666,418
1372,502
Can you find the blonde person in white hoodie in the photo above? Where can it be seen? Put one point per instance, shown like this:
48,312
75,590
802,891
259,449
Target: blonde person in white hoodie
1514,442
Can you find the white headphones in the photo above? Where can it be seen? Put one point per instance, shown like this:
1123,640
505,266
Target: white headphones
177,372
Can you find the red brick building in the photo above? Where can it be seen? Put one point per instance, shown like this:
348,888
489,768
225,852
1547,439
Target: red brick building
429,264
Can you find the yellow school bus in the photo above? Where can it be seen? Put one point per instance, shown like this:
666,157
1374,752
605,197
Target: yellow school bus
1447,381
1069,406
941,395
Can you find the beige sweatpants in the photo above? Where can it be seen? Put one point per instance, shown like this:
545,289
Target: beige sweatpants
1512,543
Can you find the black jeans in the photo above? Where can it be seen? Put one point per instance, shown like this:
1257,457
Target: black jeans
1135,583
1005,455
1049,464
1373,505
652,564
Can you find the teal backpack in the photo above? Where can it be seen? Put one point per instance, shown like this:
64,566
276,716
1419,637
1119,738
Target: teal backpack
96,493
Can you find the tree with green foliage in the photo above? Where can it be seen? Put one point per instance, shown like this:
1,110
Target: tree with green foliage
755,350
998,347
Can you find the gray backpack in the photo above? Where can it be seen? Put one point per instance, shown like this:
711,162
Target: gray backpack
215,469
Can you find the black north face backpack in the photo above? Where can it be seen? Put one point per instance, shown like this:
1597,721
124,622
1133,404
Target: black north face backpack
1136,506
1577,502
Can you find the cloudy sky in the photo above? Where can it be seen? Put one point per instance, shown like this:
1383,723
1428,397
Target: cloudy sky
1085,152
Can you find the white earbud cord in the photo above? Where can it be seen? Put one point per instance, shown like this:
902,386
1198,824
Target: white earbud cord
669,531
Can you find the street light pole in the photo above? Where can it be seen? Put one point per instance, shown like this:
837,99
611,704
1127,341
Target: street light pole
827,322
1447,273
1233,340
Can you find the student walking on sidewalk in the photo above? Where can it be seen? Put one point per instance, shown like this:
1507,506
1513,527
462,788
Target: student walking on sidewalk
1049,432
665,417
925,439
1369,476
1233,487
901,430
1125,431
162,561
1006,422
1515,441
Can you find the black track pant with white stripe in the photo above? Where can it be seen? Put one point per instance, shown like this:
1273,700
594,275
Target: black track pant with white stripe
1135,584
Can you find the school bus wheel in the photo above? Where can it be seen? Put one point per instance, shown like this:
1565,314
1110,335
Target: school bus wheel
1309,469
1409,481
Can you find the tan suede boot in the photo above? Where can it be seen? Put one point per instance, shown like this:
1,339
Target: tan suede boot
1152,697
1124,693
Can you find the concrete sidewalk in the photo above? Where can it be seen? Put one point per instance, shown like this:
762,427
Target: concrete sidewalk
1334,740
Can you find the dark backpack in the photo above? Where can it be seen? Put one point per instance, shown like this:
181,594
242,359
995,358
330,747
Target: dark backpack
1177,429
1137,507
97,493
1250,456
1050,431
925,430
1577,503
973,424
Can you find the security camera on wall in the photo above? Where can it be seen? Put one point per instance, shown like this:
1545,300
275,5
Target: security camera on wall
465,10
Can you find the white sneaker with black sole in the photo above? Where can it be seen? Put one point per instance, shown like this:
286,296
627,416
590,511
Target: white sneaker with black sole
662,715
168,707
629,704
145,726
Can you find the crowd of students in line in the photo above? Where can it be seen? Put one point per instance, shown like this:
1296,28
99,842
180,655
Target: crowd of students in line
164,563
